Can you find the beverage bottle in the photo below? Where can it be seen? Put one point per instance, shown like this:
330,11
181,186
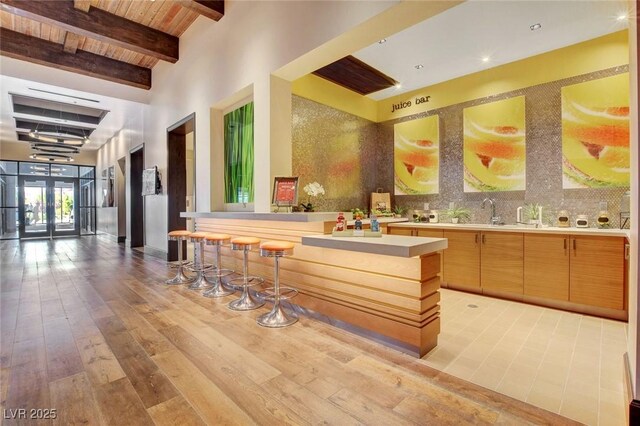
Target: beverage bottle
375,225
340,222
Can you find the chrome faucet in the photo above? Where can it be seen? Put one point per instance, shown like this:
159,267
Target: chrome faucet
495,220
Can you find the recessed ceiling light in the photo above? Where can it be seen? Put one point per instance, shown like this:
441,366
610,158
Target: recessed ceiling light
535,27
485,59
398,86
419,66
384,40
622,17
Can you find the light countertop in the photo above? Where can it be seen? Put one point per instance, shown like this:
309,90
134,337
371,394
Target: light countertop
282,217
516,228
389,245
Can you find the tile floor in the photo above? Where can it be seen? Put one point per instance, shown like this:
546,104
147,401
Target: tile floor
566,363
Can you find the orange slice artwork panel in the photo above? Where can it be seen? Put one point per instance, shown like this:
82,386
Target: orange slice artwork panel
595,133
494,146
417,156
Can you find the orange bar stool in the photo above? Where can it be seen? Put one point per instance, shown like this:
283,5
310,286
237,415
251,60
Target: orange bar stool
218,289
246,302
277,317
180,278
199,266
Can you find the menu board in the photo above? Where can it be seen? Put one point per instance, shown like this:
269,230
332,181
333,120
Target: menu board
285,191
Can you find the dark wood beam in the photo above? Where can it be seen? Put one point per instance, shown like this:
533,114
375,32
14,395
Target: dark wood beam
47,53
212,9
71,41
99,25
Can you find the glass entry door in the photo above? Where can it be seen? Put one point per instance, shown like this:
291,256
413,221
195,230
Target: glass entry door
48,206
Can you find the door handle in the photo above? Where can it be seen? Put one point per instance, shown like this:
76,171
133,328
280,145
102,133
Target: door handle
574,244
483,241
565,243
627,247
476,238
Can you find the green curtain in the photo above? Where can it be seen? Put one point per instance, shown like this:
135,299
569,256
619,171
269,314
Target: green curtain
238,155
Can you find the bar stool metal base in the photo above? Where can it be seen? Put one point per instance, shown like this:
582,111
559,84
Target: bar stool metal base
246,302
200,282
218,289
180,278
276,318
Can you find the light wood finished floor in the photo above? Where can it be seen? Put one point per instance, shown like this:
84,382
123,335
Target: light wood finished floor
89,330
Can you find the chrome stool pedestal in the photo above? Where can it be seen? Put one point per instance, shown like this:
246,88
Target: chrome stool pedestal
198,266
247,301
277,317
181,277
217,289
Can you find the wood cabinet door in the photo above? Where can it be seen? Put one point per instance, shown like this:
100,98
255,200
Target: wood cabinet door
502,261
461,264
546,266
597,271
400,231
431,233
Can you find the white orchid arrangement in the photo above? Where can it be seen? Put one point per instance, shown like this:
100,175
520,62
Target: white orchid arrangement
312,189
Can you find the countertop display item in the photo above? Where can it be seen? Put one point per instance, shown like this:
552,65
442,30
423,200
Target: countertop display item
358,224
433,216
420,216
375,226
285,191
603,220
563,219
582,221
340,222
625,209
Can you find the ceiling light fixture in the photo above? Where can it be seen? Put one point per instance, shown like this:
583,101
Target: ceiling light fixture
622,16
60,158
485,59
398,86
382,41
419,66
535,27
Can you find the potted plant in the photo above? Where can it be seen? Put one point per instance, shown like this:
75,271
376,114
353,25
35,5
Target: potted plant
399,210
458,213
313,189
530,213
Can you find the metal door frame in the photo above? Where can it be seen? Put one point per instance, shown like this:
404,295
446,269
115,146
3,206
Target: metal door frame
50,207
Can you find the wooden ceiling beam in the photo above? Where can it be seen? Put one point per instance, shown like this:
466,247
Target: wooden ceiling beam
212,9
47,53
71,41
99,25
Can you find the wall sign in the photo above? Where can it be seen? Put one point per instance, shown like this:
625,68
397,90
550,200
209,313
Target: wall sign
285,191
407,104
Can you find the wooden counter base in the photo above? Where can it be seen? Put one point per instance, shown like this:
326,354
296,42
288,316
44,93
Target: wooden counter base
393,297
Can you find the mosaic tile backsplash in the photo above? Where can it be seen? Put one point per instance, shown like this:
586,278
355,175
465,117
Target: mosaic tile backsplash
352,157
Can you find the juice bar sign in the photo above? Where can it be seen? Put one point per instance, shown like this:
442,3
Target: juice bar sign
407,104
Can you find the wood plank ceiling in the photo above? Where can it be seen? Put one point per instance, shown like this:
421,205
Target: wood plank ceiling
116,40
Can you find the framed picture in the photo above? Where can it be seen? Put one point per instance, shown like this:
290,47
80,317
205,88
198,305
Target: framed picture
285,191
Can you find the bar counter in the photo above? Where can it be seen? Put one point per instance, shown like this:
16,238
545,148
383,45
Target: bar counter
390,296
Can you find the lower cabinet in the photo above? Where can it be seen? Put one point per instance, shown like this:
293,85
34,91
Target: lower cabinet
597,271
582,269
502,261
461,260
546,266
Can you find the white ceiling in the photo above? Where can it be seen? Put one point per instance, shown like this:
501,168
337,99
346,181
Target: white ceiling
453,43
120,110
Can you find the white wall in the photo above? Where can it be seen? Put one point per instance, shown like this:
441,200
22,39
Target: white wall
218,59
117,147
